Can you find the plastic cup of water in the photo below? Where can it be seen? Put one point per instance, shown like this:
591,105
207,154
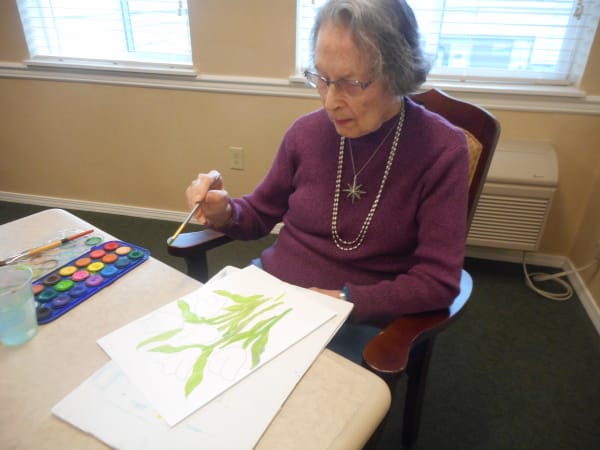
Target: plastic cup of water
18,321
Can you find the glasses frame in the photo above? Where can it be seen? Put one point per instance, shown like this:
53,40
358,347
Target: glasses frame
313,78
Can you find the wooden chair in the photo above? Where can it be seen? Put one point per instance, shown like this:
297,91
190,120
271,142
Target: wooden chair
406,345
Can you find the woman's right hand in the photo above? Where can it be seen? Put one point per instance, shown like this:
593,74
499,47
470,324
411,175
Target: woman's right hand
207,188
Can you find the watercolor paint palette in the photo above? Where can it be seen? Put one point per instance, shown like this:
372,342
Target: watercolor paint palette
76,281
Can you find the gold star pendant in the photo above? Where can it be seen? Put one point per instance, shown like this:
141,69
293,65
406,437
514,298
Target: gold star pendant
354,191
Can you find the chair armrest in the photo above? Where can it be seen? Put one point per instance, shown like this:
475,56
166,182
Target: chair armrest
197,242
387,354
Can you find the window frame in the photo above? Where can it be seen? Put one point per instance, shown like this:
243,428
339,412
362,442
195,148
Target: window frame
121,63
482,78
497,96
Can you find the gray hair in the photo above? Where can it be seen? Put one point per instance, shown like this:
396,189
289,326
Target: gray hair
387,32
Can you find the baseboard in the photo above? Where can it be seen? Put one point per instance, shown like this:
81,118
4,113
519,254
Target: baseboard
585,296
496,254
516,256
83,205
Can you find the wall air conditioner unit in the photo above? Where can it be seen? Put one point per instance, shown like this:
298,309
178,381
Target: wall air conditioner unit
516,197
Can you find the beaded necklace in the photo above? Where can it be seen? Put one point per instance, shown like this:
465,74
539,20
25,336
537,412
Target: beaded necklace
343,244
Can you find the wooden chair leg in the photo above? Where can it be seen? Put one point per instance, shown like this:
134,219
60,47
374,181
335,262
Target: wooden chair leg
416,371
197,267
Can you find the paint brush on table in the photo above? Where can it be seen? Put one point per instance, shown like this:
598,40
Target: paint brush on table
42,248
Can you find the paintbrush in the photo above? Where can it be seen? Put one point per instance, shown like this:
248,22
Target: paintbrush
184,223
191,214
36,250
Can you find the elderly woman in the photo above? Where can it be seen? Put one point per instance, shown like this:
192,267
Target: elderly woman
371,188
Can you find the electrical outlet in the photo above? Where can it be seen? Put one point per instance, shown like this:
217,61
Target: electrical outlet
236,158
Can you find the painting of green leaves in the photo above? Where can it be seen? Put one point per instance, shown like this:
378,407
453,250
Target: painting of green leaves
247,320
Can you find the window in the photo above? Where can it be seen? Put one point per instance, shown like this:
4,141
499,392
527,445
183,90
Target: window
107,31
540,41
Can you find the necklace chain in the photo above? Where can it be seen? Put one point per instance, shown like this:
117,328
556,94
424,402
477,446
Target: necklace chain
354,190
343,244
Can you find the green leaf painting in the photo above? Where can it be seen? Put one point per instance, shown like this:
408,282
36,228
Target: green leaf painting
245,320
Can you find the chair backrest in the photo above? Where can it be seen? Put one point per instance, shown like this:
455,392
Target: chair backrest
388,354
477,122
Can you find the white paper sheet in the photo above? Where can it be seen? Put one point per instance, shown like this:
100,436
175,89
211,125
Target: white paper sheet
108,405
189,351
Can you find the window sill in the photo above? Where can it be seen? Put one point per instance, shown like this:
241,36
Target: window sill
514,96
67,65
511,97
522,97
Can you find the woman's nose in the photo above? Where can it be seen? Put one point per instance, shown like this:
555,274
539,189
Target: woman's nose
332,98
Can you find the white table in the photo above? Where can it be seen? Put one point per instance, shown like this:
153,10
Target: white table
336,405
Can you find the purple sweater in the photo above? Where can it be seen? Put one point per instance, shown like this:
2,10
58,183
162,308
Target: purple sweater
411,258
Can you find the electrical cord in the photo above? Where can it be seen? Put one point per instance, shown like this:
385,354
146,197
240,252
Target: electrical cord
566,294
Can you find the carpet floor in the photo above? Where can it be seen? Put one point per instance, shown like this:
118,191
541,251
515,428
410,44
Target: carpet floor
517,371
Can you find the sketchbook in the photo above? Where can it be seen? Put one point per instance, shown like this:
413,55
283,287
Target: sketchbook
242,385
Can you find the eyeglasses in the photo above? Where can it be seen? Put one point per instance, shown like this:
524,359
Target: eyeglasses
351,88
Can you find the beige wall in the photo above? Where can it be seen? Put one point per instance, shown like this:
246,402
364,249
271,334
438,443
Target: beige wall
141,146
240,37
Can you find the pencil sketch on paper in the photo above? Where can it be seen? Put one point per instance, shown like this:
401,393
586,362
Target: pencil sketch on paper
245,321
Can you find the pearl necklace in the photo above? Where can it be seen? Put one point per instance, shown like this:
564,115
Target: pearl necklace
357,242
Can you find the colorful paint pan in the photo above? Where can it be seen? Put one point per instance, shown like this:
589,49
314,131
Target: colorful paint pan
67,271
110,258
94,240
111,246
96,266
122,250
80,275
83,262
97,254
76,281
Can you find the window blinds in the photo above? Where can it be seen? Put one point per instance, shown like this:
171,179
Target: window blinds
150,31
510,40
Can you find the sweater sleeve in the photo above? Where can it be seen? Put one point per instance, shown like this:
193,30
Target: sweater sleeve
433,280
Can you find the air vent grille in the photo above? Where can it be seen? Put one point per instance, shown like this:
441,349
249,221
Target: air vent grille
511,222
516,197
